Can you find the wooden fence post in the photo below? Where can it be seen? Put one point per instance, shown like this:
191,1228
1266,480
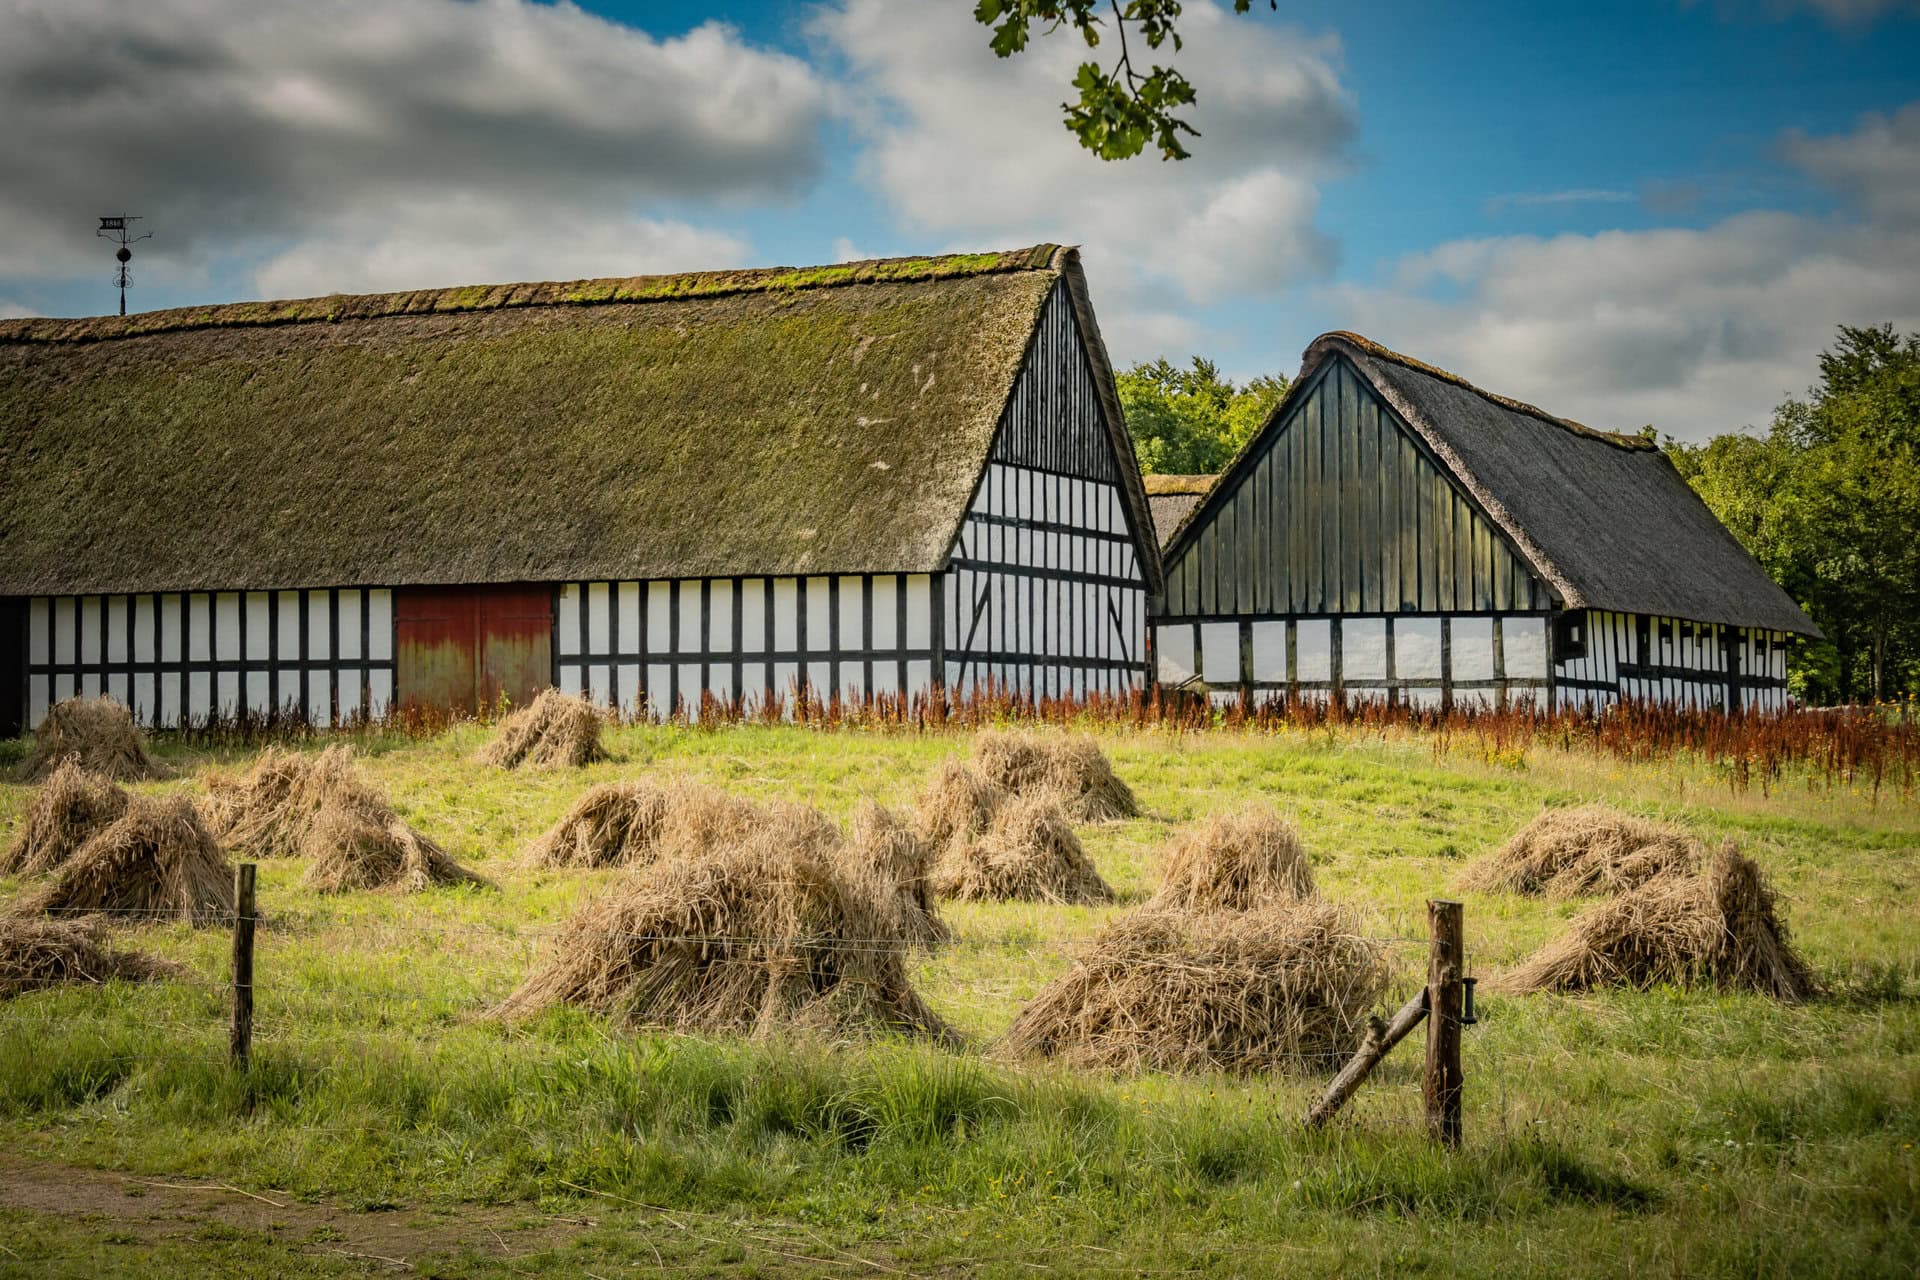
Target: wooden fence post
1446,966
240,1046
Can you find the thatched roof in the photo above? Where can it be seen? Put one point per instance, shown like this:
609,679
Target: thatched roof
1602,518
779,421
1170,498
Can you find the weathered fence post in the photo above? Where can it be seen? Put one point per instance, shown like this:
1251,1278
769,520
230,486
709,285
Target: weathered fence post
240,1046
1446,966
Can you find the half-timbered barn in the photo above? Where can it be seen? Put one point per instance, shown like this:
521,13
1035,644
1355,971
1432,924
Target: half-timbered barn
1394,532
871,478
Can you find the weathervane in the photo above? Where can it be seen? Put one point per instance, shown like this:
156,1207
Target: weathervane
119,230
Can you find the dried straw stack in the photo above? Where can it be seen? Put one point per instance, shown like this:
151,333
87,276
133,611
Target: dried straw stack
883,849
50,953
1591,850
624,824
70,806
555,730
1028,852
1234,862
1284,986
98,733
324,808
766,934
1074,770
1717,926
156,861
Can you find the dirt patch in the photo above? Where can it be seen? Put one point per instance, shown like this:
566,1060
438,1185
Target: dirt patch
160,1208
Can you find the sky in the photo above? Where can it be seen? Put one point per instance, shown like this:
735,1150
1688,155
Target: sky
1635,212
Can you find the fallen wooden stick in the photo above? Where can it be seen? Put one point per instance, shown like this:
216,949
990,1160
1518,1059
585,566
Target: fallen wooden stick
1367,1057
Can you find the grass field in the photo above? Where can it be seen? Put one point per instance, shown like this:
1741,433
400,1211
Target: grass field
384,1126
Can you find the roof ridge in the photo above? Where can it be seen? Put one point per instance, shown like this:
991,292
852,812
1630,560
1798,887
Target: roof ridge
1379,352
668,287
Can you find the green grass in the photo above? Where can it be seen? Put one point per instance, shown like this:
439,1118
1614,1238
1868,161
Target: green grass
1684,1133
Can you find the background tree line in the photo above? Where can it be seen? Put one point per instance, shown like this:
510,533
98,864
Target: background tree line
1827,499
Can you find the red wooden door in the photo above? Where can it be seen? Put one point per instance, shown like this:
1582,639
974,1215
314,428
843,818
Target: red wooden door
461,647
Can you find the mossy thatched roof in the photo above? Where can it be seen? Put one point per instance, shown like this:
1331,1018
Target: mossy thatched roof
1171,497
821,420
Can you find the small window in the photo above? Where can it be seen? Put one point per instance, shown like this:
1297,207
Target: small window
1570,636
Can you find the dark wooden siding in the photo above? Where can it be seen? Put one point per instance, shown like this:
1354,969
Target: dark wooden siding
13,666
1345,511
1052,420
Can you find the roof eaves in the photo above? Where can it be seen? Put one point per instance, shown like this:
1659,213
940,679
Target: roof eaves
598,292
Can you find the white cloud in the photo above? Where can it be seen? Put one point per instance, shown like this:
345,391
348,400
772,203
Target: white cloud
310,135
1695,331
970,148
11,310
1574,195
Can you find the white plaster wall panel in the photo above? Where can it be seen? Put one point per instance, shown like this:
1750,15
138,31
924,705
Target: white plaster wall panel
66,629
319,699
919,612
753,618
64,686
852,614
599,618
886,679
349,629
819,623
820,680
284,642
145,695
626,620
629,681
1313,649
259,694
117,688
567,621
1472,647
853,681
39,622
1416,648
1523,643
90,684
786,680
687,637
659,691
570,680
380,625
720,617
659,617
686,689
200,695
256,626
720,681
116,628
786,615
89,629
1363,650
753,683
226,627
886,618
168,710
226,693
1173,647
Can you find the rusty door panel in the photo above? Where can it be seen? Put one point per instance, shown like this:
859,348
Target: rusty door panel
461,647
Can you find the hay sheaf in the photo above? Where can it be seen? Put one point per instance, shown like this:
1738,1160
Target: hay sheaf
958,803
98,733
1074,770
1234,862
156,861
1586,851
885,849
624,824
1718,926
51,953
555,730
68,807
1285,986
1028,852
764,935
324,808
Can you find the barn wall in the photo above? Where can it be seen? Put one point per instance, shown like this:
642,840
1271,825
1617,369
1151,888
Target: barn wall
13,666
1046,594
1704,665
1345,511
1412,659
185,658
651,648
